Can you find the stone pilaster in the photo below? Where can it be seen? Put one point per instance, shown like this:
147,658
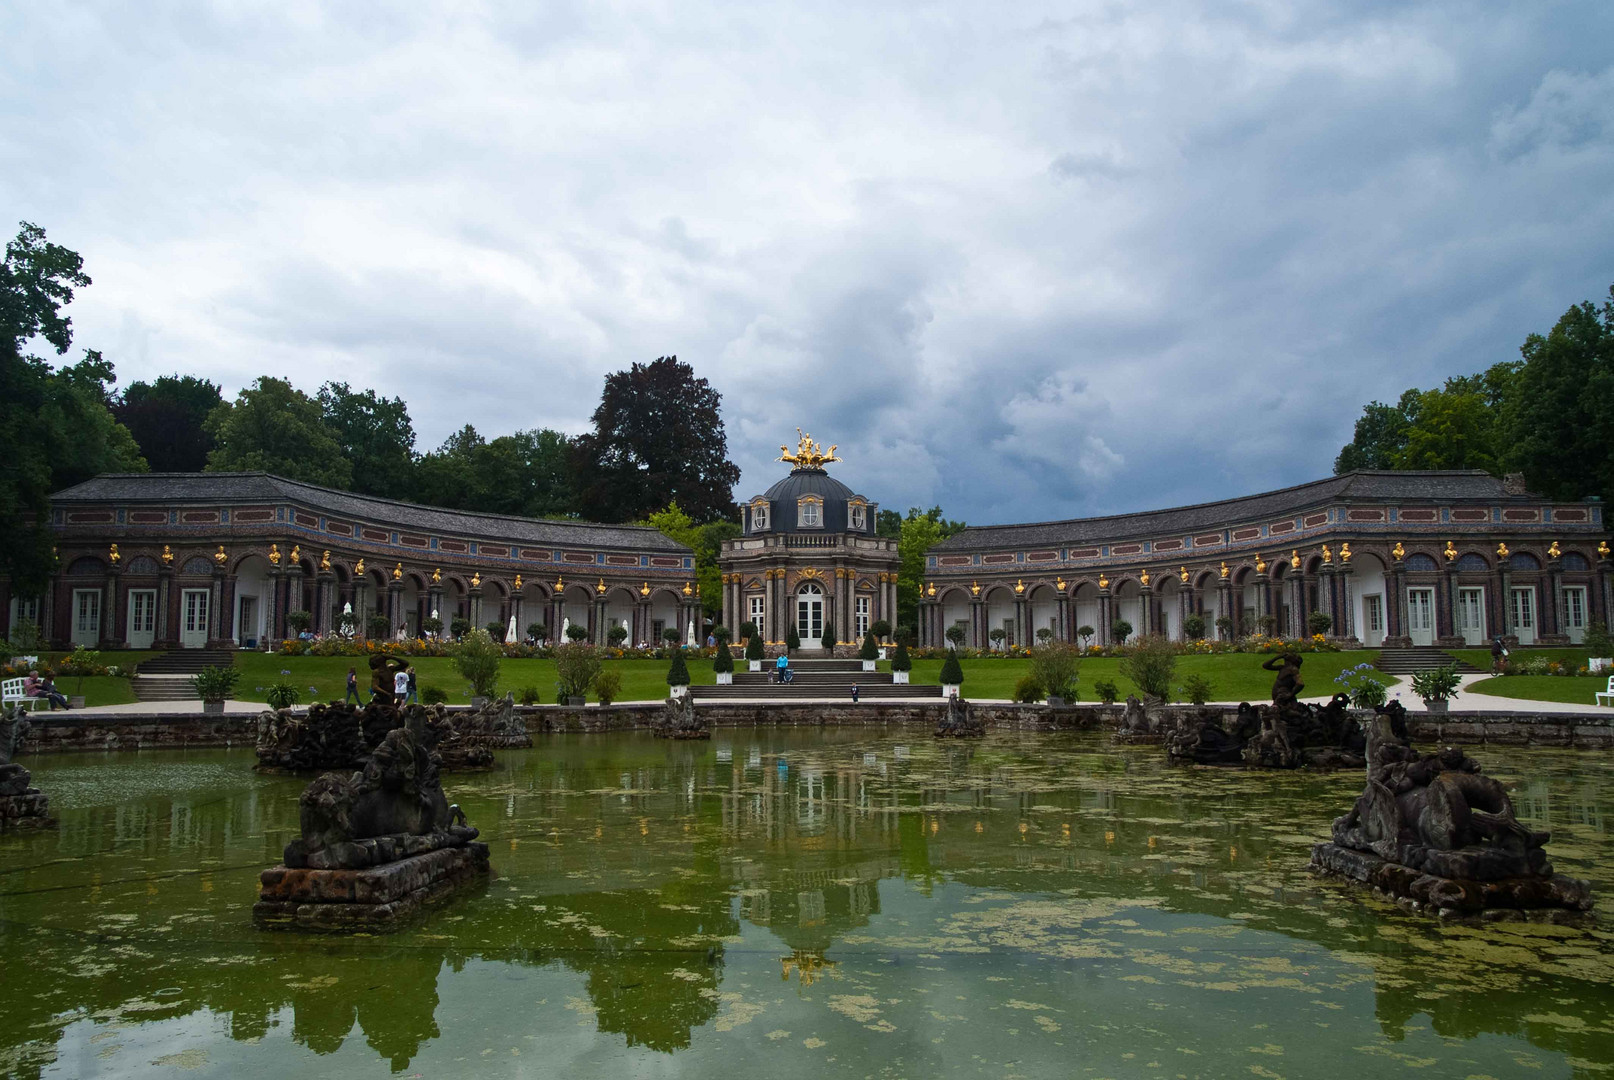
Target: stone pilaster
111,615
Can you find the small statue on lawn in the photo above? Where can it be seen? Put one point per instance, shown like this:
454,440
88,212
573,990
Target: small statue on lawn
383,673
678,720
959,721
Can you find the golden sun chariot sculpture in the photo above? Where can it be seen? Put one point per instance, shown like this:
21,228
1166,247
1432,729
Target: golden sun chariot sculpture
808,454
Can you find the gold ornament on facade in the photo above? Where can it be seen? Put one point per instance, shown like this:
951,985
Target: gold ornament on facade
1328,556
687,589
1398,552
358,567
325,559
1143,579
1345,553
221,558
975,588
167,555
1019,586
600,588
1225,570
437,575
559,585
1103,582
1553,552
397,572
809,572
274,557
1294,558
1450,552
1060,584
644,589
114,556
808,455
930,590
518,583
1602,549
1260,565
1502,550
476,579
1182,574
296,553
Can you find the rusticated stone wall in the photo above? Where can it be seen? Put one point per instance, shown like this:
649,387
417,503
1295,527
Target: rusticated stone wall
51,734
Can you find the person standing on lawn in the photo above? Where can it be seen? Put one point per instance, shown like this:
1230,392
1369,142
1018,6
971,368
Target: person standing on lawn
352,687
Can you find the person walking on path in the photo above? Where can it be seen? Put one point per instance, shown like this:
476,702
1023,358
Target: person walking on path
352,687
400,685
1499,653
414,695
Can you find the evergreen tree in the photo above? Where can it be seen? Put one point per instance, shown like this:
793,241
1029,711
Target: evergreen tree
792,640
678,670
952,674
869,651
901,661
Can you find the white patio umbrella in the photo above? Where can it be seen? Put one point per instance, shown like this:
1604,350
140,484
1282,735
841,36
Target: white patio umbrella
691,640
510,634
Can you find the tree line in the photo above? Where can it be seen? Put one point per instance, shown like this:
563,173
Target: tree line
1548,415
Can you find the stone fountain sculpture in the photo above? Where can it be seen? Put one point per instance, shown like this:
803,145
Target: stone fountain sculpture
21,806
340,735
376,845
959,721
1288,734
678,720
1433,833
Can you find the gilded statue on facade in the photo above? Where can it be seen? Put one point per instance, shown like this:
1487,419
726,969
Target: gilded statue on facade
358,568
397,572
1260,565
1182,574
1502,550
437,576
220,557
274,555
296,554
1553,552
518,583
1143,579
1345,553
114,556
1450,552
476,579
1398,552
325,559
808,455
168,555
1328,556
1294,558
1225,570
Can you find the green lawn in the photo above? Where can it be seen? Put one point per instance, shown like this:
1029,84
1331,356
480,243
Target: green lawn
1481,658
1573,689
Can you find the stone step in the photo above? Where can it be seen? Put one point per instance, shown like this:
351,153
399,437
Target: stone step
1419,658
814,678
184,662
163,688
793,691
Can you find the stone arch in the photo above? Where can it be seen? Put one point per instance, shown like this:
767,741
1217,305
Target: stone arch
1524,560
250,618
1168,593
1371,597
1000,613
1042,611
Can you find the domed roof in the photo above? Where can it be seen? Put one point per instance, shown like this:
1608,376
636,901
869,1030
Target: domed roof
808,482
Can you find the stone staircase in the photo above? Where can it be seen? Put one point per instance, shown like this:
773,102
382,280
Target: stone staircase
813,679
167,676
1420,658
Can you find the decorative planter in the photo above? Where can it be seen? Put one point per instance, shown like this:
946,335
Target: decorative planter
212,708
949,690
577,702
725,678
753,665
868,665
882,652
900,678
1599,665
1435,705
1056,702
677,691
76,701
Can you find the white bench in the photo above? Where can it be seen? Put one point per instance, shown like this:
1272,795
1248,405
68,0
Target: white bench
1605,697
11,693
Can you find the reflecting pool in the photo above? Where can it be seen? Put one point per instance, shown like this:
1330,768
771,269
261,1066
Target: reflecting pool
780,904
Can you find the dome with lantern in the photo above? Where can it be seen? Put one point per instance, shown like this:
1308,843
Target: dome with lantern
809,500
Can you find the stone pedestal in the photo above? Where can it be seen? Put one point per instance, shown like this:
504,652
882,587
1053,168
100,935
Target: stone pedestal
379,898
21,806
1543,896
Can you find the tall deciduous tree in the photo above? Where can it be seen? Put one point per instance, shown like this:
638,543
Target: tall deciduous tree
377,438
524,473
658,435
921,530
55,427
274,427
1560,416
168,417
707,542
1455,426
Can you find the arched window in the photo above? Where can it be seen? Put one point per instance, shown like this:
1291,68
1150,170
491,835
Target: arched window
86,565
810,512
1421,562
198,565
142,564
1472,563
1574,560
1523,560
759,515
860,515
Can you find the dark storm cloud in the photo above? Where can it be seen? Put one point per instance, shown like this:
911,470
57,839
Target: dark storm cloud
1025,263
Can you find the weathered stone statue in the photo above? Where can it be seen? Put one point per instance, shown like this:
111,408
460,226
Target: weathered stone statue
1288,734
1204,740
376,844
679,721
383,670
340,735
1433,833
21,806
959,721
1141,722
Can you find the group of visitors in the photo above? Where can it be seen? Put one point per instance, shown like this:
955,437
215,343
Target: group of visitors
37,686
404,688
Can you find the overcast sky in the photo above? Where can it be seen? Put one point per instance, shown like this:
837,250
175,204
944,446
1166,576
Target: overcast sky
1027,261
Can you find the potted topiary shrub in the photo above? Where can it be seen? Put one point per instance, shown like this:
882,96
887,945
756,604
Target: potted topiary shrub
868,652
477,660
826,637
792,641
538,632
376,626
299,621
459,626
1085,633
723,665
607,685
213,685
882,630
576,664
955,636
1436,686
432,625
1224,627
1318,622
495,629
678,674
1120,630
1193,626
753,653
901,664
952,675
1267,624
576,632
617,635
998,635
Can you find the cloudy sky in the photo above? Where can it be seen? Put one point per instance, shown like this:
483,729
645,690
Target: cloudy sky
1027,261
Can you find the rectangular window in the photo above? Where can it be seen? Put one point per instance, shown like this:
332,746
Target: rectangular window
1375,613
1524,614
862,616
86,617
1575,613
759,613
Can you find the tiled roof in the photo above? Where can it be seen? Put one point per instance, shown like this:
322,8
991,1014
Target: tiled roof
225,488
1363,487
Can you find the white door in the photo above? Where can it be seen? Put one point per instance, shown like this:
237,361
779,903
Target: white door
193,619
1575,613
810,615
1421,616
87,617
142,618
1524,614
1373,620
1471,615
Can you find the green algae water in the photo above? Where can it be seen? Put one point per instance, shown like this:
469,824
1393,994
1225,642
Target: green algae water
796,904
